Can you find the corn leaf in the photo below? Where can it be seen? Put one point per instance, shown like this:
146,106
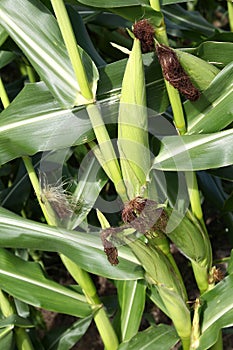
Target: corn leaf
36,32
84,249
26,281
69,337
195,152
131,298
213,111
155,337
217,312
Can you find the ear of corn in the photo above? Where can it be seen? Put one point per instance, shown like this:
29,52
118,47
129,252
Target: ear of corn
161,273
193,242
200,72
132,125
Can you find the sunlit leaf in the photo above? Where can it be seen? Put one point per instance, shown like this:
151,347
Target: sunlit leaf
156,338
26,281
217,312
84,249
131,298
195,152
39,37
213,111
67,337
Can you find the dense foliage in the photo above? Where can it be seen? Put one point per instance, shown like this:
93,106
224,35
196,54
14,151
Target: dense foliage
116,126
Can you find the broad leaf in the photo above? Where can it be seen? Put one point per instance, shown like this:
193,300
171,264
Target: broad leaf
195,152
35,122
213,111
3,35
217,312
15,320
156,338
190,24
26,281
214,52
7,339
36,32
86,250
35,113
67,338
131,298
91,181
5,58
133,10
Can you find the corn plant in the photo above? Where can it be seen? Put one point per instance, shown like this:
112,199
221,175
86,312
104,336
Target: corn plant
107,151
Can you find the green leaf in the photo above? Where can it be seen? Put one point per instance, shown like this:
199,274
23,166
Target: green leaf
188,22
156,338
67,338
214,52
195,152
132,10
35,122
35,113
88,189
5,58
131,297
168,2
217,312
39,37
155,297
7,339
230,264
213,111
26,281
86,250
113,3
82,36
3,35
15,320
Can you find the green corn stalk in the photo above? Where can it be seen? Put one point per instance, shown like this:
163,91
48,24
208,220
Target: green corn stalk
88,92
132,125
195,326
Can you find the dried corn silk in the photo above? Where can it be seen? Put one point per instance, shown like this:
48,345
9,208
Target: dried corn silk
175,74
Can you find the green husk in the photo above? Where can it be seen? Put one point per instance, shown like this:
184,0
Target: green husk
190,238
200,72
161,273
132,125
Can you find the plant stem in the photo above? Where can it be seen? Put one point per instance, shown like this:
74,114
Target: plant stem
230,13
101,319
173,94
22,338
31,73
155,4
72,48
110,164
3,95
194,195
82,277
6,307
35,183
